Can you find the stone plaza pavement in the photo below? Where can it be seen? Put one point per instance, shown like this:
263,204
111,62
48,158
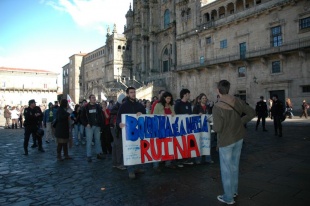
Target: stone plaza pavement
273,171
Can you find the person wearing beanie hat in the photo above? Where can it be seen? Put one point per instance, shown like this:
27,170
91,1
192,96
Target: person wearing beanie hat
117,148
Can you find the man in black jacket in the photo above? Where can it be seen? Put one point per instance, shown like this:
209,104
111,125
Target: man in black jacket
131,106
277,111
33,116
261,112
92,119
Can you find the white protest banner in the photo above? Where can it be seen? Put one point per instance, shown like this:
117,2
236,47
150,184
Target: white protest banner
152,138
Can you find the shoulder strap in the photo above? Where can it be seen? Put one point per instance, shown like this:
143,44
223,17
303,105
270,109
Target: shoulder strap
231,107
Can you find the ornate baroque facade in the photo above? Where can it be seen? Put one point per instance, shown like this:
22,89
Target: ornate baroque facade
260,46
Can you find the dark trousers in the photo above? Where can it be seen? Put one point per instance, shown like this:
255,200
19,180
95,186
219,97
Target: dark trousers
263,121
60,147
28,131
117,151
106,139
277,124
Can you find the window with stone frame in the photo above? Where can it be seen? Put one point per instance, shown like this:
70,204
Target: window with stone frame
241,71
166,60
275,67
305,88
223,44
304,23
166,18
276,36
208,40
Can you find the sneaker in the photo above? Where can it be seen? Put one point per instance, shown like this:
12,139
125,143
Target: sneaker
47,141
41,150
139,171
180,165
121,167
235,195
100,156
220,198
89,159
188,162
132,175
210,161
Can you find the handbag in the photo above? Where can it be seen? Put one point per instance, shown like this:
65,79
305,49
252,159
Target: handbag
54,123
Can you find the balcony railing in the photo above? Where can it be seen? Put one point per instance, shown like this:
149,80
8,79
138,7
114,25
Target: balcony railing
258,52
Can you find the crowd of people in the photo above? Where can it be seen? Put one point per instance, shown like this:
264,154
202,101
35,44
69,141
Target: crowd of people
99,124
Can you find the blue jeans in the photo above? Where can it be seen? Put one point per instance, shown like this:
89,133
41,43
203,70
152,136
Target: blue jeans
229,161
91,132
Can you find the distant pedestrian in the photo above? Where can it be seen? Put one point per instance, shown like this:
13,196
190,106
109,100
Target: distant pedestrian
21,117
48,117
261,112
33,117
229,126
106,136
7,116
14,117
304,108
289,108
277,111
62,130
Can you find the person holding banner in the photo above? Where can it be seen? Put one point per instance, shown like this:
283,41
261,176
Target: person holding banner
131,106
183,106
202,108
164,106
228,124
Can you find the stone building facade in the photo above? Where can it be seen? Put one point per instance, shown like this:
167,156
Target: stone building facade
260,46
19,85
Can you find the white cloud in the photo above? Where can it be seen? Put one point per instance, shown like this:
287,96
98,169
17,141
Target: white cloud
95,14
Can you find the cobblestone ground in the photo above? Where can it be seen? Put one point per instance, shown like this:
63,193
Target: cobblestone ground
273,171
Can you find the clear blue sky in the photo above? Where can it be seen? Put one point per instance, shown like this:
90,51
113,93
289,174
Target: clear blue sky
43,34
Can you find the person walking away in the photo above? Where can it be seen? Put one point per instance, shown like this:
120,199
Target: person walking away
202,108
14,117
48,118
261,112
131,106
62,130
304,108
7,116
117,144
21,117
106,136
277,111
184,107
230,129
33,116
75,117
92,120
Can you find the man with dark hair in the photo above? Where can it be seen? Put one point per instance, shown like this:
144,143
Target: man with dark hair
33,116
228,124
184,107
92,119
261,112
131,106
160,93
277,111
